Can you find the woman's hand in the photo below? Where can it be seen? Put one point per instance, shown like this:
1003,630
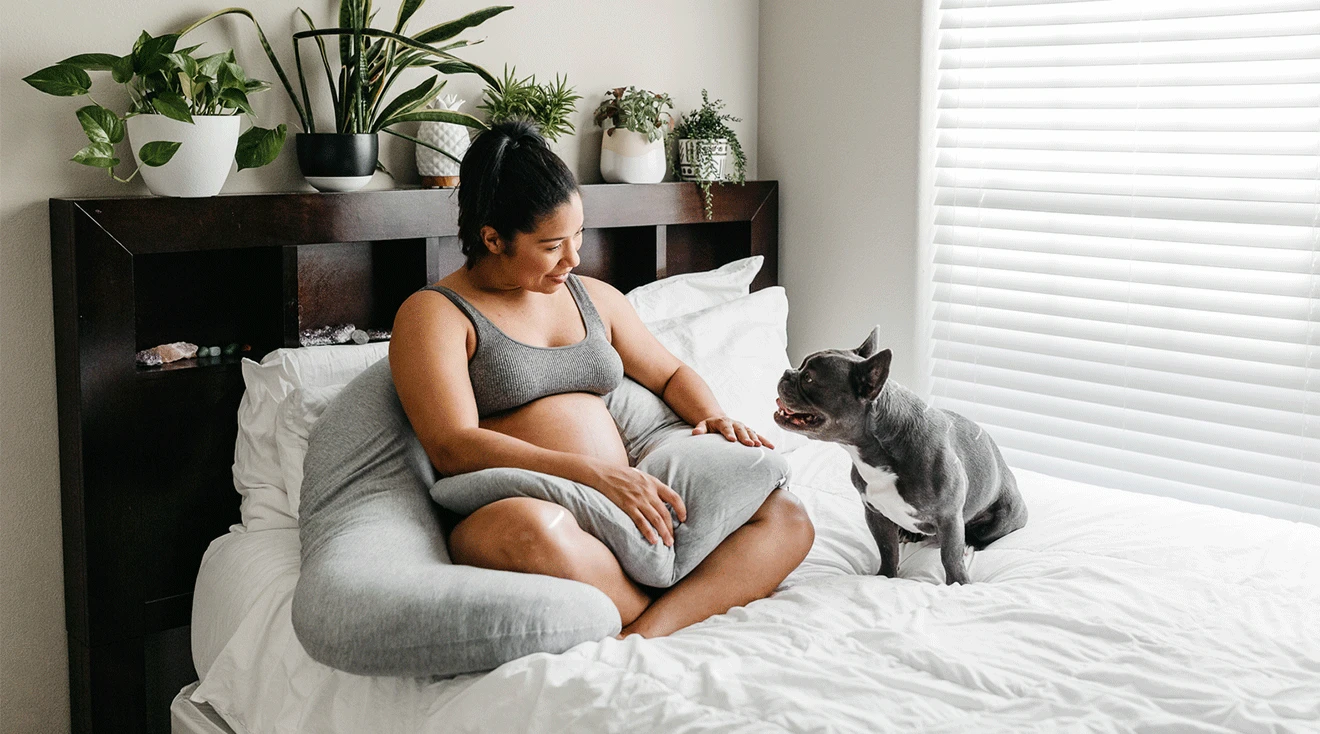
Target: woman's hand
642,497
732,430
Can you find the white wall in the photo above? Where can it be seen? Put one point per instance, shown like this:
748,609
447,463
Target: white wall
838,128
677,46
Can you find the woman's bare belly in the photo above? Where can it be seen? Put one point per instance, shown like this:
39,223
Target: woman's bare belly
574,422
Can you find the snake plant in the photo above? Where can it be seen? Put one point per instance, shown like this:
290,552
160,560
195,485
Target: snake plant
371,61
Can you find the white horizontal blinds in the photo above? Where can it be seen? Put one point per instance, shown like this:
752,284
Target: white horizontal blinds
1126,203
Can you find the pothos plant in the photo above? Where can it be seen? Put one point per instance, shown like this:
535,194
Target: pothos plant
159,79
707,123
371,61
637,110
548,105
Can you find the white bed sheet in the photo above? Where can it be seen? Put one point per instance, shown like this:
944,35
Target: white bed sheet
1110,611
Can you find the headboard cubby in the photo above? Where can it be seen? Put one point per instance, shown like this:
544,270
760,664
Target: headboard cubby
146,454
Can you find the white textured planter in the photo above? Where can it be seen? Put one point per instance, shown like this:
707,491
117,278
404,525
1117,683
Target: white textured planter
628,157
702,160
200,165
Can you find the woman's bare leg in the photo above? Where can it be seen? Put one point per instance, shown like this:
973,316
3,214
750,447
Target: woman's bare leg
535,536
747,566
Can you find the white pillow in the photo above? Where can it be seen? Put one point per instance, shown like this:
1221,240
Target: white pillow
688,292
297,414
740,349
257,472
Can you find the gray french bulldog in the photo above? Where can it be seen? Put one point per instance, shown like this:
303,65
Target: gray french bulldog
921,470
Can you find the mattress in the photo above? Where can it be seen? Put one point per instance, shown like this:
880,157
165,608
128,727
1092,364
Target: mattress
1109,611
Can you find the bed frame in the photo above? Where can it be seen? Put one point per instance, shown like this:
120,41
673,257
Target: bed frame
146,453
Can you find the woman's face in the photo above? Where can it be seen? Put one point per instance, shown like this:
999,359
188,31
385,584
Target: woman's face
540,260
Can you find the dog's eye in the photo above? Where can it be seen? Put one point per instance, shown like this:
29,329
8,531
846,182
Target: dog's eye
806,378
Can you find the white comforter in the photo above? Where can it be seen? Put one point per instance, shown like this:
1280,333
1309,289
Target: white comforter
1110,611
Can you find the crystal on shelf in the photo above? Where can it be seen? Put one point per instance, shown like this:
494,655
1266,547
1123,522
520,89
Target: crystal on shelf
323,335
164,353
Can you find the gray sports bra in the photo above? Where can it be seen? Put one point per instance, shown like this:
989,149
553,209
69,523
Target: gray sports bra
507,373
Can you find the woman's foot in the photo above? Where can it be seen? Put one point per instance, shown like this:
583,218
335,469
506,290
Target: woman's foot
747,566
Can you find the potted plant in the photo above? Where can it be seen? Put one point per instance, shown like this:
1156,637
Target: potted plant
182,120
705,141
548,105
371,61
632,150
441,171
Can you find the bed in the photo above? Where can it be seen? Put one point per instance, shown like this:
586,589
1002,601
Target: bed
1110,611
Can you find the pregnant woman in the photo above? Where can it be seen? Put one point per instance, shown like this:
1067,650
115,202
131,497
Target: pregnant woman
503,363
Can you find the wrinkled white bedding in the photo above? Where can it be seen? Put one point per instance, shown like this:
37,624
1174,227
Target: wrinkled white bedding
1110,611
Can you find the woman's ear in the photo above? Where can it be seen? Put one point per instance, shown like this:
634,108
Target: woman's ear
491,239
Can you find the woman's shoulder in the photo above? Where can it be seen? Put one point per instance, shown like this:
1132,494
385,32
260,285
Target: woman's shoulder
428,319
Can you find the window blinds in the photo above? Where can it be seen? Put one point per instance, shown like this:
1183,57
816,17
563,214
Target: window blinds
1126,200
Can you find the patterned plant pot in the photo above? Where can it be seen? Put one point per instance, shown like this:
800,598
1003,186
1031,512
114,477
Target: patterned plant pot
436,169
703,160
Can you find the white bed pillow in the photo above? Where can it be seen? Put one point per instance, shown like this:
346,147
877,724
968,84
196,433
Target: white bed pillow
258,475
740,349
688,292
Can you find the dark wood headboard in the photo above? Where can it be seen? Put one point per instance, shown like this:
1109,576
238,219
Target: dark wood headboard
146,453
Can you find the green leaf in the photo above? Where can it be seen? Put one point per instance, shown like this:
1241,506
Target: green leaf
150,55
172,106
446,31
411,99
97,155
458,118
158,153
259,146
210,65
236,99
186,64
255,85
406,10
122,70
93,62
235,71
101,125
61,80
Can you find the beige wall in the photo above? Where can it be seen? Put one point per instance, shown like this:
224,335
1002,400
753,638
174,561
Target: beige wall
677,46
838,125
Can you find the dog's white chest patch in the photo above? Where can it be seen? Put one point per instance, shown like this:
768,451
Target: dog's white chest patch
882,493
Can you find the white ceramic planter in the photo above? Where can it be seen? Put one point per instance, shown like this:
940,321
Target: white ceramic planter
628,157
702,160
200,165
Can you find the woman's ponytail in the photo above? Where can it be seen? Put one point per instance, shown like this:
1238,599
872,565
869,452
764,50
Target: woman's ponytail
509,180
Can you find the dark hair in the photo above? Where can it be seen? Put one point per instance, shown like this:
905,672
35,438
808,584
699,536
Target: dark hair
509,179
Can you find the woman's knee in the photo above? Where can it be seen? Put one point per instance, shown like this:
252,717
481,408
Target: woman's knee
521,534
784,512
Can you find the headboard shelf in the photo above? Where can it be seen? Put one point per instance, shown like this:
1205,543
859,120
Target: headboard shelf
146,454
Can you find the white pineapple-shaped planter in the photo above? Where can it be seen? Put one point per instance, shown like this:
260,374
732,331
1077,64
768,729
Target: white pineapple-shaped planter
437,170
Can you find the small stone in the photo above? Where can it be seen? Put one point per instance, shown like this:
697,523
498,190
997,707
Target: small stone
359,336
231,349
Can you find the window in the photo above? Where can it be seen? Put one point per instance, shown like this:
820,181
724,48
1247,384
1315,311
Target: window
1123,249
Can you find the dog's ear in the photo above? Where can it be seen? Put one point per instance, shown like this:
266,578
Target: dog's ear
871,344
869,376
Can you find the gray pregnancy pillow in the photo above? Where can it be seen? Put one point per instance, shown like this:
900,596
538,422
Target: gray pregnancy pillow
377,594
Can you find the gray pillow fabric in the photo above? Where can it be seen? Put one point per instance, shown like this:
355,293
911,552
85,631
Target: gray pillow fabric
722,484
377,594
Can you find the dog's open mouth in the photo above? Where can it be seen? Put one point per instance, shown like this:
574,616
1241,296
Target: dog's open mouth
799,420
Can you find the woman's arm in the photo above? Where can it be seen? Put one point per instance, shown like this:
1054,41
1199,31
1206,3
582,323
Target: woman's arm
648,362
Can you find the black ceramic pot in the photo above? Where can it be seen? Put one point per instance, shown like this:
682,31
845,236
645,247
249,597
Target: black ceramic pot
337,161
